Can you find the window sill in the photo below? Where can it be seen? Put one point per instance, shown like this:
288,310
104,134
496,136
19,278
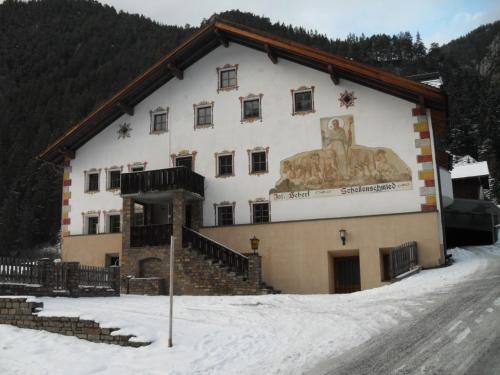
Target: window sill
258,173
230,88
204,126
92,192
251,119
158,132
113,190
224,175
303,113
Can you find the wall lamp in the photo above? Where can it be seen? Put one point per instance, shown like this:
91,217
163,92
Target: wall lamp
343,236
254,243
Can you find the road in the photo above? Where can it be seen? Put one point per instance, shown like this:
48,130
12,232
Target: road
458,334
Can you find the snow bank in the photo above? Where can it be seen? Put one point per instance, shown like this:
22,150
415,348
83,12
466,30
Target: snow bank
278,334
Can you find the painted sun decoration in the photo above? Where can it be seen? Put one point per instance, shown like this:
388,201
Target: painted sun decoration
347,99
341,167
124,130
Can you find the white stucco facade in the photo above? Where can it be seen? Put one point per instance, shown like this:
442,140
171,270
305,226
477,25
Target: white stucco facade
381,120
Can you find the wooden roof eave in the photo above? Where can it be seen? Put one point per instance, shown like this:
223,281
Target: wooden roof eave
214,34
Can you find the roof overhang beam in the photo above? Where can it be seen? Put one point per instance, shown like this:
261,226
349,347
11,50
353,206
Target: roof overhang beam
221,38
128,109
174,69
271,54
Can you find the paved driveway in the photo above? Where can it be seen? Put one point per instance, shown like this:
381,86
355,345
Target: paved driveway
460,334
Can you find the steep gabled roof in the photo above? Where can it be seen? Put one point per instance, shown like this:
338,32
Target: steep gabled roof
221,33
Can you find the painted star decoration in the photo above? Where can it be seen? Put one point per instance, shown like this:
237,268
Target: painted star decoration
124,130
347,99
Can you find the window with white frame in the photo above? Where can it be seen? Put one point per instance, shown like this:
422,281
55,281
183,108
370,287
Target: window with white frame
227,77
113,222
92,181
204,115
159,120
251,108
303,100
91,223
114,179
260,212
224,164
258,160
224,214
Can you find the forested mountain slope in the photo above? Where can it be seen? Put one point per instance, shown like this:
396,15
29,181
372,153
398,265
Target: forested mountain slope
59,59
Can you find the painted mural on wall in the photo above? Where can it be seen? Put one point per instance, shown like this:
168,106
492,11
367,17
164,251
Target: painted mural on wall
341,166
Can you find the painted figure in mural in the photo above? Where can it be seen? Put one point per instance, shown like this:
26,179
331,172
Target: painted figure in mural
339,143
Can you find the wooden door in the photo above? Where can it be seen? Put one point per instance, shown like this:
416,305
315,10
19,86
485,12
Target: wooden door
346,274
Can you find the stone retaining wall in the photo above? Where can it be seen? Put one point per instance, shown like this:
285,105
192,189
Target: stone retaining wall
21,313
7,289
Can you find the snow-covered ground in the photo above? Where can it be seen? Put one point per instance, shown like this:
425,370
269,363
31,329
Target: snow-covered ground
278,334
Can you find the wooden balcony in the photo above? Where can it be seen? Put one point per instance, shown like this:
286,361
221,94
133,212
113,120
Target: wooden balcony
150,235
162,180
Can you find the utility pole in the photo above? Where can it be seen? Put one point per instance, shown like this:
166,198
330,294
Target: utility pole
171,287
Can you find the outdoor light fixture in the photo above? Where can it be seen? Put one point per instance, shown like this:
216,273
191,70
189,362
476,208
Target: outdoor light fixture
254,243
343,236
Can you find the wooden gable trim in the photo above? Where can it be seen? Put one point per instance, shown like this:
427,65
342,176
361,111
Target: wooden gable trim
215,34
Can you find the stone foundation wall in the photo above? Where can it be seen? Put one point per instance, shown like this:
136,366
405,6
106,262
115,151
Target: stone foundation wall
21,313
194,274
152,286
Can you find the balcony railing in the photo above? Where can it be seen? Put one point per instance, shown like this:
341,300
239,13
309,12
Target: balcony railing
162,180
150,235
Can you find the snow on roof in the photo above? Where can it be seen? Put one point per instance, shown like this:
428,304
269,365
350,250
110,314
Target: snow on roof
438,82
470,170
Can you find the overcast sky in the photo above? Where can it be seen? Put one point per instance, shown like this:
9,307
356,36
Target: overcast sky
437,20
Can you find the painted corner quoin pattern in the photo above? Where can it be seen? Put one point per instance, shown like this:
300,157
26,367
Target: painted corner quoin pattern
341,166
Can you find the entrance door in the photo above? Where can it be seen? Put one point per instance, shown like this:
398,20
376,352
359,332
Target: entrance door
346,274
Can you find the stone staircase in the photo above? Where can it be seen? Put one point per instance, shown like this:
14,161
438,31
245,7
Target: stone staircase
206,267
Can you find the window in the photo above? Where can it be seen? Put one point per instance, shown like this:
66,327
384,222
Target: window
251,108
259,162
137,168
184,161
92,181
225,215
112,260
227,78
159,122
204,116
225,165
114,223
92,224
303,100
114,179
260,212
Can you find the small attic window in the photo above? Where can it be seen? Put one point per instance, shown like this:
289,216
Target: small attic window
227,77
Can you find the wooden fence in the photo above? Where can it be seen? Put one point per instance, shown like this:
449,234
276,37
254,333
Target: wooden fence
54,277
21,271
96,276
